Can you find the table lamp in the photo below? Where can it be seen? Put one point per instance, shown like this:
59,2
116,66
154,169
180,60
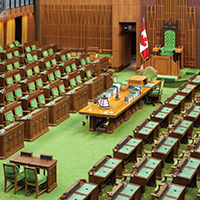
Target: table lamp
104,104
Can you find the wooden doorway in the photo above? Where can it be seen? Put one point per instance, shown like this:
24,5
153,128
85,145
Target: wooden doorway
18,29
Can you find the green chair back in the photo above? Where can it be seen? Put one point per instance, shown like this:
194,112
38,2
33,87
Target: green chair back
35,57
18,111
63,58
29,72
9,117
51,77
50,51
57,74
69,55
16,53
53,61
33,47
45,53
39,82
18,92
33,103
170,38
31,175
61,88
88,59
150,74
9,67
29,58
55,92
10,170
10,97
36,69
17,77
74,66
68,69
83,63
17,43
72,82
16,64
9,55
31,86
89,74
78,79
9,81
1,49
41,99
27,49
47,64
11,45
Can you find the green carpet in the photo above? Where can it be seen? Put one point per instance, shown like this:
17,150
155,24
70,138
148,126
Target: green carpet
77,149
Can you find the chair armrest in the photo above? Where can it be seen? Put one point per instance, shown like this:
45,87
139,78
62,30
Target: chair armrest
25,112
147,152
126,176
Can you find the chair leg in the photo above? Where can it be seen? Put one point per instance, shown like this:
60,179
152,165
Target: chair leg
5,183
15,185
36,190
26,189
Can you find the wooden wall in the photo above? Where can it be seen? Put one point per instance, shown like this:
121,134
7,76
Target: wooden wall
186,16
75,24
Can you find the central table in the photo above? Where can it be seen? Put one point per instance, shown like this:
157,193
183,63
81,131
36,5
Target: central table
107,120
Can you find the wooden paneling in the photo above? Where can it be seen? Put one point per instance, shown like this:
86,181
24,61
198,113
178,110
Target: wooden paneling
186,16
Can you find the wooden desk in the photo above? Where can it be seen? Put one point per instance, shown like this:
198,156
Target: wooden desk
171,191
38,163
195,80
179,55
163,115
156,50
105,171
187,172
121,111
138,80
81,189
11,139
187,90
165,149
146,171
147,130
108,79
125,190
128,149
181,129
102,64
176,101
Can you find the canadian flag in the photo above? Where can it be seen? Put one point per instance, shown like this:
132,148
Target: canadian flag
144,47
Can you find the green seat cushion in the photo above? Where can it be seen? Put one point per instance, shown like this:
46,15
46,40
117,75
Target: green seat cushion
192,71
41,179
9,67
9,55
16,53
20,176
28,49
69,55
18,92
33,47
16,64
63,58
154,93
45,53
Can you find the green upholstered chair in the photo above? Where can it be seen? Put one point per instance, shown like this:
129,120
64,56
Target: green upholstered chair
9,97
29,58
29,72
17,43
33,104
9,81
34,180
69,55
53,62
17,78
9,118
16,64
68,69
150,72
48,64
1,49
9,55
154,96
57,74
72,83
36,69
50,51
31,87
13,175
18,93
9,67
18,112
45,53
169,44
33,47
89,74
11,45
88,59
51,77
61,88
16,53
63,58
35,57
27,49
39,83
41,100
74,68
83,62
55,93
78,80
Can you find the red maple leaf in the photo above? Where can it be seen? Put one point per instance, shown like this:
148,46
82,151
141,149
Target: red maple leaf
143,41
